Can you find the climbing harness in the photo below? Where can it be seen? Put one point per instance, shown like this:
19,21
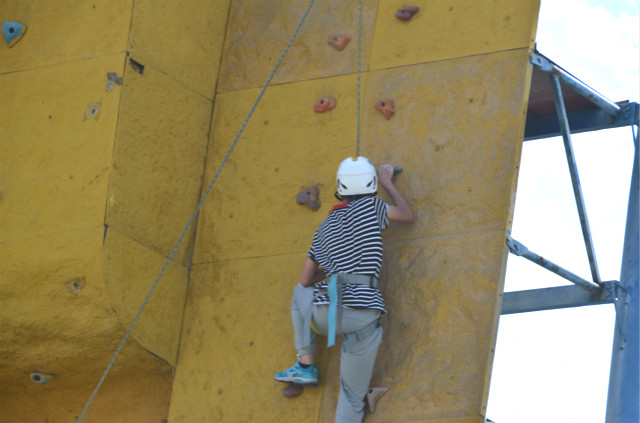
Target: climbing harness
197,210
333,309
364,333
336,281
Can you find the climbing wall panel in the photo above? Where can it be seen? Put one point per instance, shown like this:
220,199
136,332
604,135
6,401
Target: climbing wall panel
442,295
276,158
258,31
138,394
460,177
214,381
449,29
57,319
59,118
130,271
158,161
58,125
64,31
456,286
67,300
182,39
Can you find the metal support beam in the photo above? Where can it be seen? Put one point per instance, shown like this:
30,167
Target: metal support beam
624,385
520,250
575,84
575,179
555,298
580,121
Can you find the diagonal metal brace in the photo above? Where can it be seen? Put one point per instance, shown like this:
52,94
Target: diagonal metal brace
575,179
518,249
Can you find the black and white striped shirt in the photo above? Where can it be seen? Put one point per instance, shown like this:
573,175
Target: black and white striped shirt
349,240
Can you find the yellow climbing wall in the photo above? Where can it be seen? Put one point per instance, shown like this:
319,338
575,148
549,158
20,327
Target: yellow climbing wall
97,185
458,74
95,188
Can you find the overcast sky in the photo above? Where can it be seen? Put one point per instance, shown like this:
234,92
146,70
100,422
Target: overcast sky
553,366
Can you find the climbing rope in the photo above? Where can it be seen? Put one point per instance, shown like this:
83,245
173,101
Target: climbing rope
359,71
197,210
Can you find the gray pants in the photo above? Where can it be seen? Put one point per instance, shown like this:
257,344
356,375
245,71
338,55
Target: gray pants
357,359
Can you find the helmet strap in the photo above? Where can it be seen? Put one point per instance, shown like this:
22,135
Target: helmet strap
354,197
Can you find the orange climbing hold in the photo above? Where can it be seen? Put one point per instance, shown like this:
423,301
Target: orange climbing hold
339,41
406,13
386,108
324,104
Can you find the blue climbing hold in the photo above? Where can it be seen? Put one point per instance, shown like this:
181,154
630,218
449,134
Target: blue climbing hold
12,32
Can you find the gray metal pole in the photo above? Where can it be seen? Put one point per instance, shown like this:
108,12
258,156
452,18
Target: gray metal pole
575,179
555,298
624,386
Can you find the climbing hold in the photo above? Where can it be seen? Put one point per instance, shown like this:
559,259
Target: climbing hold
339,41
374,394
92,111
386,108
111,79
310,197
406,13
292,390
75,285
12,32
324,104
396,170
136,66
40,377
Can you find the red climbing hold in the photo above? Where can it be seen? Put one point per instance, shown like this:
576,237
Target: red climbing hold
406,13
386,108
324,104
339,41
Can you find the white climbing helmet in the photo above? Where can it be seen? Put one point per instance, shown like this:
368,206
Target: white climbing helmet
356,177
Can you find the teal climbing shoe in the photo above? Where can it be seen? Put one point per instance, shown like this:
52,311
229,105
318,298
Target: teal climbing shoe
297,374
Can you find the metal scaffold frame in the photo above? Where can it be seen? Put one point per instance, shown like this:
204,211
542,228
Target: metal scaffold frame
599,113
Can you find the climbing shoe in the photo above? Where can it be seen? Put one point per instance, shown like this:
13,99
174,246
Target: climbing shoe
297,374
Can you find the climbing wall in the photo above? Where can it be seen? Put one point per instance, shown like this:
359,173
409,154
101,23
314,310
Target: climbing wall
97,180
99,177
458,76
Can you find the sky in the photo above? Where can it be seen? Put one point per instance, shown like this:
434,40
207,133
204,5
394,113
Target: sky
553,366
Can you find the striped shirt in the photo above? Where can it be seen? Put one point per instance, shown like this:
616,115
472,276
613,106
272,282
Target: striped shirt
349,240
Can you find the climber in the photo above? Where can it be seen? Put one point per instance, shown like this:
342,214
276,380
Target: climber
347,246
